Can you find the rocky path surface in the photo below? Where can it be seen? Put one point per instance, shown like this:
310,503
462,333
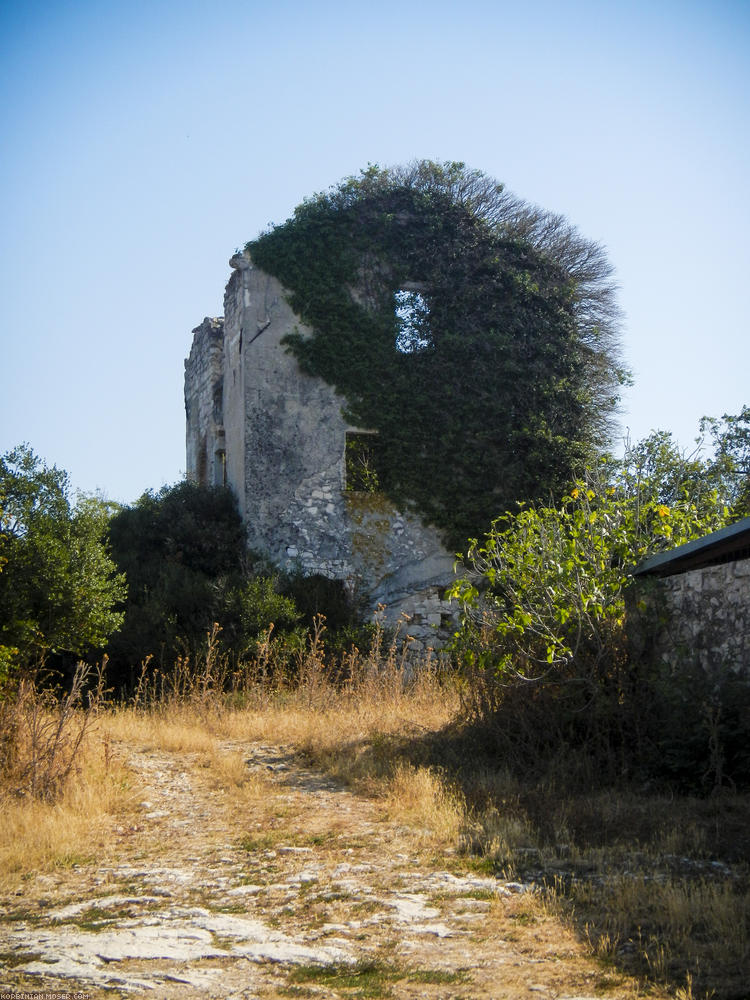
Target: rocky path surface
297,888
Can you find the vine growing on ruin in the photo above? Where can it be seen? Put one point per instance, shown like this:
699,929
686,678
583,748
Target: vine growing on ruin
475,334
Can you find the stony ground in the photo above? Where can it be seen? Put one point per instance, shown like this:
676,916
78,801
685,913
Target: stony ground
295,887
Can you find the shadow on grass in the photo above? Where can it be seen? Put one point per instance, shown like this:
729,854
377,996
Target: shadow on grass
656,884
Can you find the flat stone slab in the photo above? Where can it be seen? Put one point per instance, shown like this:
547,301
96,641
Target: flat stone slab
70,952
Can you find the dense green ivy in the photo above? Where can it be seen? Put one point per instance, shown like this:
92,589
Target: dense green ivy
496,383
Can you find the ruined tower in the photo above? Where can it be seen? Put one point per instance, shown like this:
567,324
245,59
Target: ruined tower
277,436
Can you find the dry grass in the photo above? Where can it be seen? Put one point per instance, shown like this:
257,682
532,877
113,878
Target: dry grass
40,835
420,798
59,781
42,732
342,714
180,729
612,862
690,930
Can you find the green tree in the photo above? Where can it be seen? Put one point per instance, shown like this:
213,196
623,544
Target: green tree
476,334
183,550
544,601
250,606
553,578
550,580
59,587
730,438
173,545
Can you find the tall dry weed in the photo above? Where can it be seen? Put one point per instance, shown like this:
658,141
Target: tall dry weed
326,708
37,834
42,732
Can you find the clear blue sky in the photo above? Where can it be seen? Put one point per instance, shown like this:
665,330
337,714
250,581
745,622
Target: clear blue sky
143,141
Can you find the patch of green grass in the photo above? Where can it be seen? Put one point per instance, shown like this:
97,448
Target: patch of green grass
483,894
74,860
94,919
11,959
371,979
313,840
230,908
259,842
337,894
437,976
249,880
482,865
368,979
20,916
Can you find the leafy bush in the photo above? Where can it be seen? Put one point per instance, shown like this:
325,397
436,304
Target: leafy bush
183,550
730,437
544,613
58,587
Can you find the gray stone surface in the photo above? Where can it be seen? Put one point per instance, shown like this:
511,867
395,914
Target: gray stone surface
708,616
179,936
278,436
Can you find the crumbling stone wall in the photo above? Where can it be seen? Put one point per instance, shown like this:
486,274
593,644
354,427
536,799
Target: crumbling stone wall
204,385
702,615
277,436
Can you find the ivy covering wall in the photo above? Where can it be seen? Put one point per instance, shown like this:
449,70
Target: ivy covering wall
475,334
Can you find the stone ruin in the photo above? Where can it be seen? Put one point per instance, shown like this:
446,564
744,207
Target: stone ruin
277,436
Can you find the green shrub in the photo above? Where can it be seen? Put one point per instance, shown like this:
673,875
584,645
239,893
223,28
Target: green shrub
59,588
544,637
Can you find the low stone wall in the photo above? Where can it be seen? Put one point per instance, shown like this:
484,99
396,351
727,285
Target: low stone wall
702,616
426,620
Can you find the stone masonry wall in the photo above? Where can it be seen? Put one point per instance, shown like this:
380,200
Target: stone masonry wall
707,616
284,439
204,386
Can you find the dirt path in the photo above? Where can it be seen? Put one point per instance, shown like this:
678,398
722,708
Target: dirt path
297,888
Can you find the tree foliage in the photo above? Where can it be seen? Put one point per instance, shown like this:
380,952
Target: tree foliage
554,577
476,334
544,598
730,439
58,587
184,552
174,545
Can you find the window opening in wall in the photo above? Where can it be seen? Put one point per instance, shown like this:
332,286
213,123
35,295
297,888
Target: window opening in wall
202,465
218,400
413,322
220,468
362,462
